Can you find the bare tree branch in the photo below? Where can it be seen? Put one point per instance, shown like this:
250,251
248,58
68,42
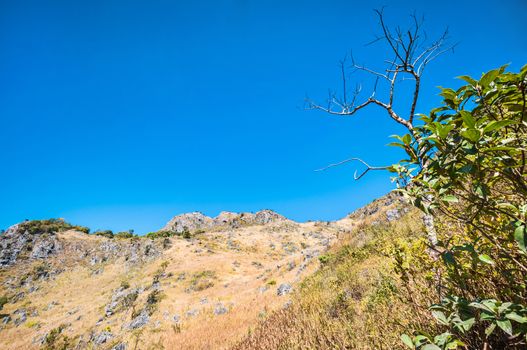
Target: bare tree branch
411,55
368,167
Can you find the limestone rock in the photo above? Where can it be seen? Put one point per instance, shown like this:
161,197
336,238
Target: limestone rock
283,289
190,221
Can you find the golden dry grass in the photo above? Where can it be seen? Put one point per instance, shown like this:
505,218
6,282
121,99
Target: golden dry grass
355,301
226,266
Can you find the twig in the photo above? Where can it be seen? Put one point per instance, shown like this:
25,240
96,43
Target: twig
368,167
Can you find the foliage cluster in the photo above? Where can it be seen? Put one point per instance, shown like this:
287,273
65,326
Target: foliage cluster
50,226
201,280
467,166
104,233
165,234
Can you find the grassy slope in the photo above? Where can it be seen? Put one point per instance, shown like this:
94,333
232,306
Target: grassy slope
228,267
355,301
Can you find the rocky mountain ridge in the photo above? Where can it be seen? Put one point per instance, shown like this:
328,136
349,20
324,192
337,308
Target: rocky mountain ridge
64,288
197,221
61,287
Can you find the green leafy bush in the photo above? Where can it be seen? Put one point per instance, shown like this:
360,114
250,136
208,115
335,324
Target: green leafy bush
3,300
46,226
467,166
124,235
160,234
105,233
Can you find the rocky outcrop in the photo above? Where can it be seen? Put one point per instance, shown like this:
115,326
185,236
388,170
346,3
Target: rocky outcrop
102,338
197,221
139,321
122,298
393,199
283,289
16,242
45,247
189,221
266,216
11,245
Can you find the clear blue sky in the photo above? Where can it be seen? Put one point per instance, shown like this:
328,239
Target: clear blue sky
121,114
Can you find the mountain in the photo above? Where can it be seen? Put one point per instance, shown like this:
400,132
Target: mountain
62,288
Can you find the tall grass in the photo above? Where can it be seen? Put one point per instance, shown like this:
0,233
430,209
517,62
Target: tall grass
356,300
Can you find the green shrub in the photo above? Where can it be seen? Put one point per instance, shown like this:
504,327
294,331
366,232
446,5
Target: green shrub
160,234
186,233
104,233
82,229
467,167
46,226
202,280
3,300
55,340
124,235
324,259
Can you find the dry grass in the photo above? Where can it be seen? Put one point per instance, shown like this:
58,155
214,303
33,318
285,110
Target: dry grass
355,301
224,267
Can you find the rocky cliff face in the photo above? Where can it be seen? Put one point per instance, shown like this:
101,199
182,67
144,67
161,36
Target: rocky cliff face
196,221
17,242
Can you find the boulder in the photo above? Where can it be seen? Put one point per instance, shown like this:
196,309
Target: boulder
190,221
139,321
283,289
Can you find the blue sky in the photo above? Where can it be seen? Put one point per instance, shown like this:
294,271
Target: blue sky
121,114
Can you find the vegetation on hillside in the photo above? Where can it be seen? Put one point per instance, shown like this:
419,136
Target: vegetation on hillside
50,226
466,165
355,300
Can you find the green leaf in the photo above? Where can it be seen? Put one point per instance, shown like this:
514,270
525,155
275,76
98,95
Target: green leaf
504,306
450,198
505,325
490,329
519,236
515,317
407,341
467,324
497,124
420,339
467,169
507,206
448,93
440,317
407,139
486,259
468,79
491,304
471,135
431,347
468,119
396,144
444,130
500,148
454,344
449,258
488,77
523,71
484,305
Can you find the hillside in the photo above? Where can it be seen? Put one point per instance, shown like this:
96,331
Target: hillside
356,299
66,289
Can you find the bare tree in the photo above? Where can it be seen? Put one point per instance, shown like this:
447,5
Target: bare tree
410,52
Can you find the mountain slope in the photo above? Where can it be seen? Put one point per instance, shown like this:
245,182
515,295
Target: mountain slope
68,289
356,299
